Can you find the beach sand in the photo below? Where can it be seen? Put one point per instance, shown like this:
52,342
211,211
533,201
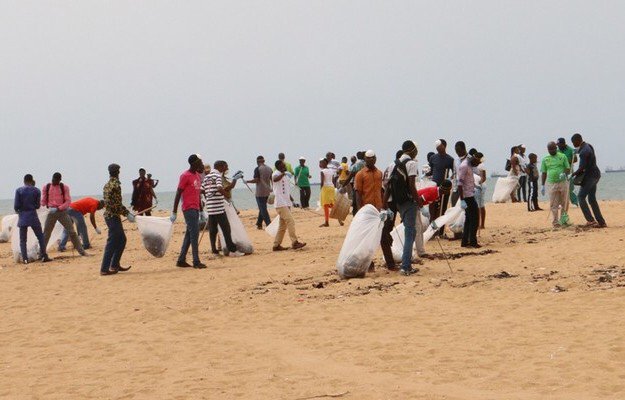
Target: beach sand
536,313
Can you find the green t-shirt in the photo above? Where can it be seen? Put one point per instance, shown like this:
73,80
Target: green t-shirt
301,175
554,166
568,152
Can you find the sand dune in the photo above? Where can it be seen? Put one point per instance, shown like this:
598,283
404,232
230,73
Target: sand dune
536,313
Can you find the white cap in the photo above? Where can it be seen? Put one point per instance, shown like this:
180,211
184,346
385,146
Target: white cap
370,153
302,158
437,143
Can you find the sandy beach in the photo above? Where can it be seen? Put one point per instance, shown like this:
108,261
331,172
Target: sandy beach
536,313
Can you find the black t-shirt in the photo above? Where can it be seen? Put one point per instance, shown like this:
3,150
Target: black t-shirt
440,164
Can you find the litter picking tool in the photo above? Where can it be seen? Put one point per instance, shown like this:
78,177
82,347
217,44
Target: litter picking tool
142,211
444,254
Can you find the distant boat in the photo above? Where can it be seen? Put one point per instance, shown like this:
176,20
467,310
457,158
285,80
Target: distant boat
498,175
610,169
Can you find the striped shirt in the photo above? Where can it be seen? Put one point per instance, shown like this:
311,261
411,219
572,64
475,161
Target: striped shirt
214,201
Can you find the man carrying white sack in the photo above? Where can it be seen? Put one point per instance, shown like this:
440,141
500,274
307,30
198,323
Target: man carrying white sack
283,203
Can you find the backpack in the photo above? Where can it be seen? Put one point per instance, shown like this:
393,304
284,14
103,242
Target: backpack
508,165
398,182
48,190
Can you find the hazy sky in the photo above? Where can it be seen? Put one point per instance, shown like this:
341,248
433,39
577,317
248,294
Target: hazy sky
146,83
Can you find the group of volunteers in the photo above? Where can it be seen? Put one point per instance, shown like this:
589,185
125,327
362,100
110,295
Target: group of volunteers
398,189
558,178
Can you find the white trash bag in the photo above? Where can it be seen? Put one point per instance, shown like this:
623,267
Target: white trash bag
361,242
398,235
32,244
8,221
237,232
450,215
156,233
504,188
457,225
272,228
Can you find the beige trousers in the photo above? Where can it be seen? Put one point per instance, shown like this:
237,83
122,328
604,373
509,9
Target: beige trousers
418,239
558,196
65,220
286,222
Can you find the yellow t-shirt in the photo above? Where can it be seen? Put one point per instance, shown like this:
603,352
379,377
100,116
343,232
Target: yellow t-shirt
344,172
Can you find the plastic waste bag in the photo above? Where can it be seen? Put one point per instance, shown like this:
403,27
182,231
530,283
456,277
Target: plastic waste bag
32,244
361,242
340,210
237,233
398,235
8,221
457,225
156,233
504,188
450,215
272,228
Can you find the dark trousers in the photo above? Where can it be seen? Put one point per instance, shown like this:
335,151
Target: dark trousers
589,189
354,202
472,218
532,195
115,244
437,209
263,213
38,233
521,189
191,235
387,240
304,196
221,221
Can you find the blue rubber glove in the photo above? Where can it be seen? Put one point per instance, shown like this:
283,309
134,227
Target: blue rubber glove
52,210
172,217
463,205
131,217
542,191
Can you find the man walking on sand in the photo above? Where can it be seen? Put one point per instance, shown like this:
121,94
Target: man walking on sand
116,240
555,168
590,174
302,180
26,203
283,204
189,189
262,180
466,190
57,198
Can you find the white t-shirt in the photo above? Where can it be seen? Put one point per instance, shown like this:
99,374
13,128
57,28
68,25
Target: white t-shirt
522,163
411,166
282,191
328,175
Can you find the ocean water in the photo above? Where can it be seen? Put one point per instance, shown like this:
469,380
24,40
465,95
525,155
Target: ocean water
611,187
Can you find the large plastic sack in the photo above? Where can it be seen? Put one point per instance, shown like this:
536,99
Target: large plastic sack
340,209
272,228
8,221
457,225
504,188
237,233
361,242
156,233
32,244
398,235
450,215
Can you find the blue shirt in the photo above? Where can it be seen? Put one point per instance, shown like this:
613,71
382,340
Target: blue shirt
27,202
440,164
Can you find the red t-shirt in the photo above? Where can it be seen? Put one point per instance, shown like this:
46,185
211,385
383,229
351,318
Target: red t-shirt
428,194
190,185
85,205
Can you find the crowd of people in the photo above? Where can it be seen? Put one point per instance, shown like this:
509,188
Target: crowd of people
399,189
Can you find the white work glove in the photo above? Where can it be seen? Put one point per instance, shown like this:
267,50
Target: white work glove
52,210
237,175
542,191
172,217
131,217
98,231
463,205
203,217
386,215
562,176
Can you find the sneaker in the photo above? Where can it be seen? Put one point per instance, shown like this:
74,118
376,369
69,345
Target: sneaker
83,253
45,259
279,248
199,266
236,254
408,272
109,272
183,264
122,269
25,262
604,225
298,245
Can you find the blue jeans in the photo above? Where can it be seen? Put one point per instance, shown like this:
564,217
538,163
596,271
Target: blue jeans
191,235
589,189
263,214
408,212
36,227
81,229
115,244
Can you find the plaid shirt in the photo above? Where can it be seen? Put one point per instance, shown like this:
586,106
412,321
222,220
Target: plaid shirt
113,199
